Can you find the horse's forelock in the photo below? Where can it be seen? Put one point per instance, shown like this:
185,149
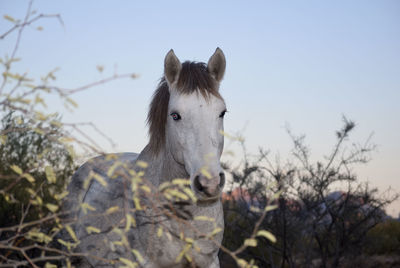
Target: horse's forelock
193,77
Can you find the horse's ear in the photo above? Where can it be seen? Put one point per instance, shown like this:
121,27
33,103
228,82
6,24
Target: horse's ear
172,67
216,64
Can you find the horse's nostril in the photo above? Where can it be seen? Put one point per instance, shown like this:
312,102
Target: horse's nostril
197,184
221,179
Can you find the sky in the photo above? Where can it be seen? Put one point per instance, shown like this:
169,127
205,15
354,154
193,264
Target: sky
302,64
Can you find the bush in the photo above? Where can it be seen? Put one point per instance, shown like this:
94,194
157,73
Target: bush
384,238
35,167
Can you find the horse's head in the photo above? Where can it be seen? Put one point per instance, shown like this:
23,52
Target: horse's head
194,121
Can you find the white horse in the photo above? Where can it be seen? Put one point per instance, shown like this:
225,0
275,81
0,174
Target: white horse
185,127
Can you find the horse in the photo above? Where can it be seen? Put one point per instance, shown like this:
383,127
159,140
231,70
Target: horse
186,141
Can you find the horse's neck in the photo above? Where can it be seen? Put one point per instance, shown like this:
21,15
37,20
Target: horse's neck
161,167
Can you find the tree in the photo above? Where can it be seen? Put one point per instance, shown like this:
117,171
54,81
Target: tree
314,224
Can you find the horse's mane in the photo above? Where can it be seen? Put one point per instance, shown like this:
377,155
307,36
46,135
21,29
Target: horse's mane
193,77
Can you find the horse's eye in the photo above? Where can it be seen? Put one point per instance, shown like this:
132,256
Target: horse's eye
222,114
176,116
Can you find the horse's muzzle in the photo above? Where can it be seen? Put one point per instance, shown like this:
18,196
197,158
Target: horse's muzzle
209,187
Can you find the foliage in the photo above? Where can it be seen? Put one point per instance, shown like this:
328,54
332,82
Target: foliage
36,154
315,224
45,162
384,238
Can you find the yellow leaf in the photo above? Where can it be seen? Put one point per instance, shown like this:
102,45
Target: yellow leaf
271,207
188,257
38,131
181,181
40,116
267,235
18,120
138,256
216,231
276,195
53,208
16,169
3,139
203,218
111,170
112,210
50,265
85,207
145,188
38,99
182,253
29,177
50,175
159,231
189,240
66,139
142,164
9,18
56,123
130,221
68,263
72,102
255,209
71,233
241,262
190,193
163,186
31,191
250,242
69,245
129,263
98,178
38,236
205,172
61,195
91,229
137,203
177,194
39,28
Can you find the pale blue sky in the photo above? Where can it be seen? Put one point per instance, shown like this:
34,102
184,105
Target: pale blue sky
302,63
